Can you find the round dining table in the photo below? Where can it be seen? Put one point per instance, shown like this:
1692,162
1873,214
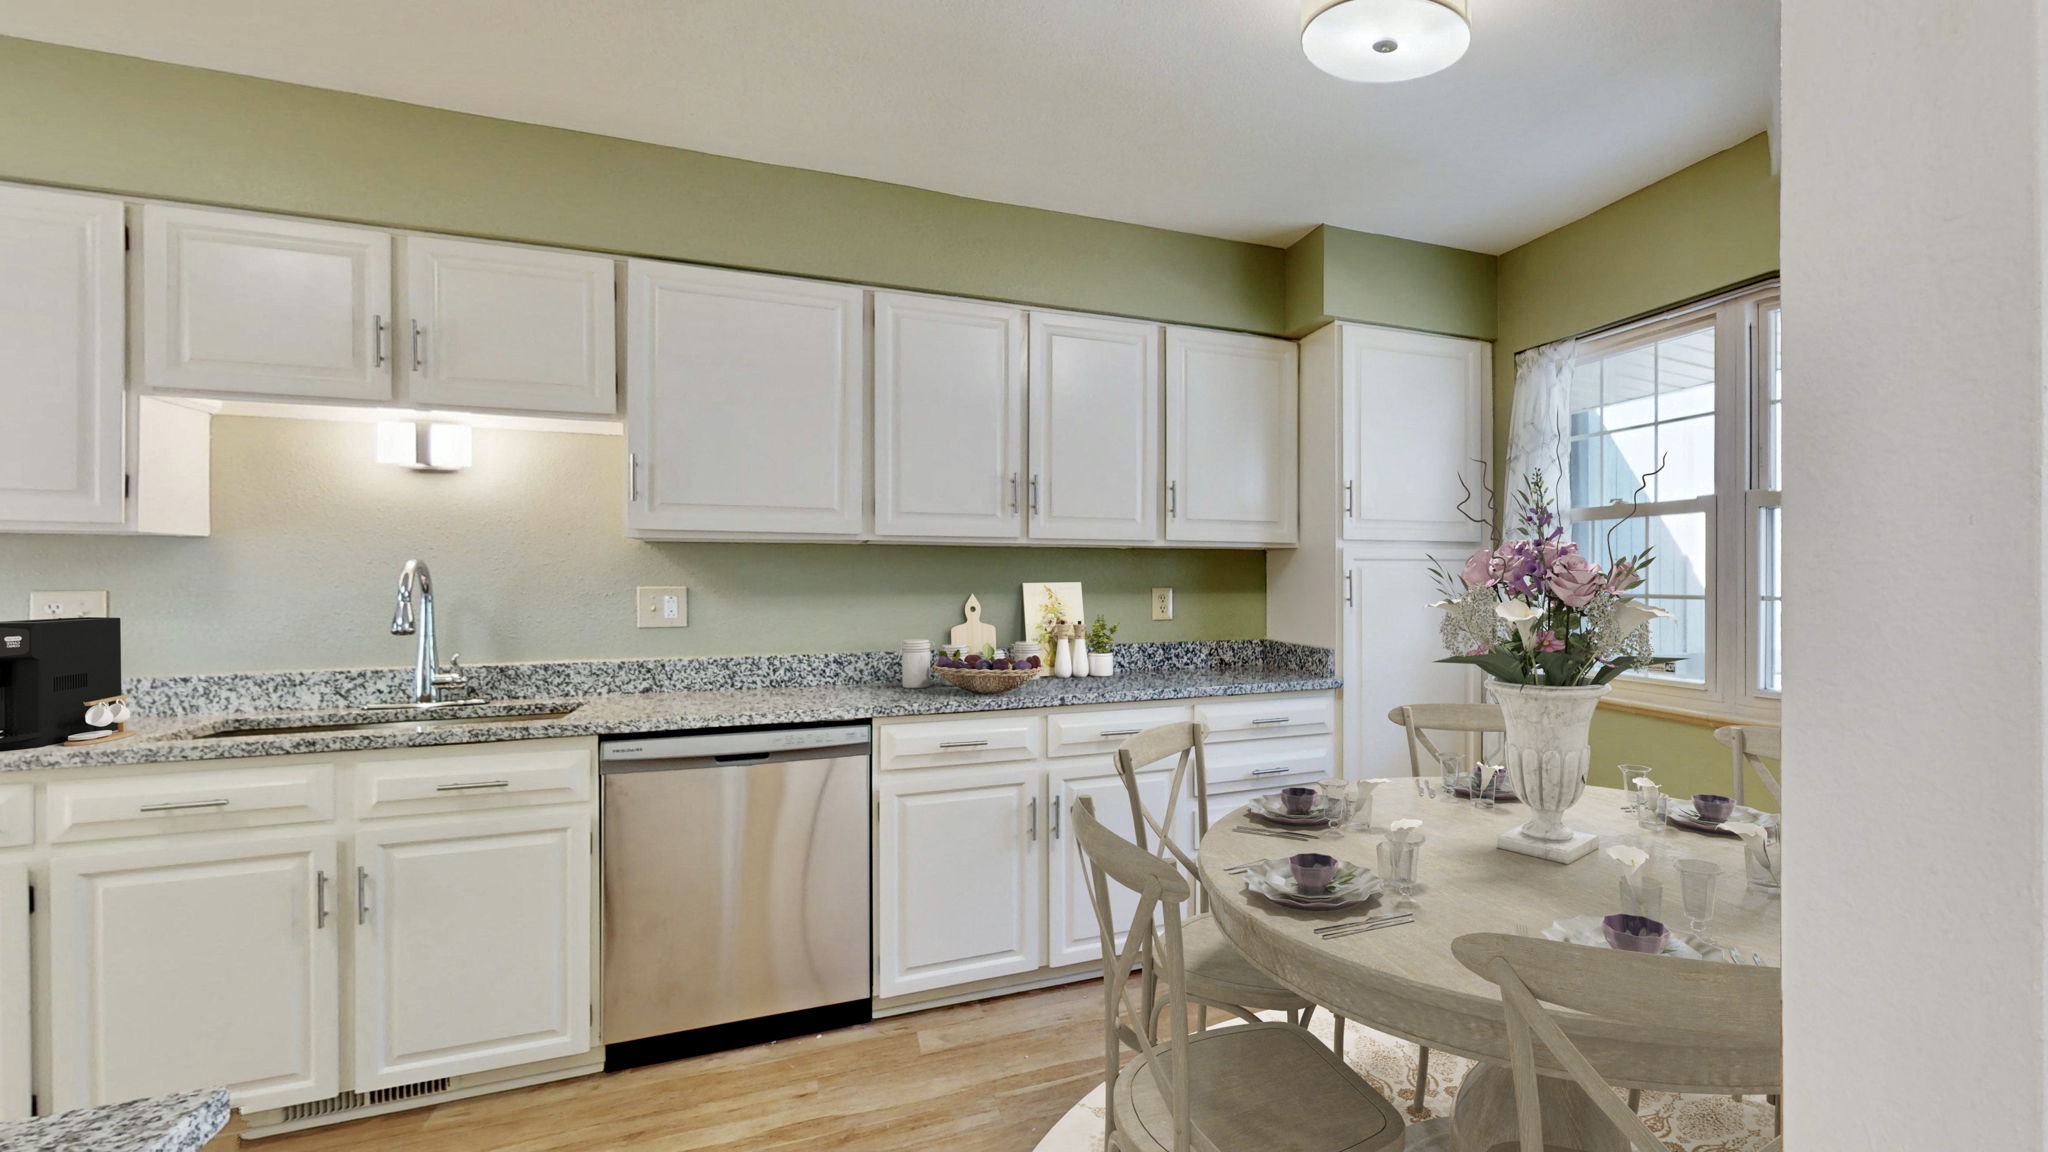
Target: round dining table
1403,980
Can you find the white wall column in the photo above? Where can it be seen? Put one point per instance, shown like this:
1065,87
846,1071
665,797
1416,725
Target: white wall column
1913,269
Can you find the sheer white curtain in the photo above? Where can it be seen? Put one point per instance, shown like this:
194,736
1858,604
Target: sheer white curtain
1539,431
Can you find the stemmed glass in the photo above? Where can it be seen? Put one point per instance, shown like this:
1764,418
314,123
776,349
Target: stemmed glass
1696,880
1630,774
1337,807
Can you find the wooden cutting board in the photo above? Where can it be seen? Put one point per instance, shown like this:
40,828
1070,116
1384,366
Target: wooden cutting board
973,636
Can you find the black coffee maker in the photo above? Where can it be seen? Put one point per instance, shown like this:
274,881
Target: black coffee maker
49,671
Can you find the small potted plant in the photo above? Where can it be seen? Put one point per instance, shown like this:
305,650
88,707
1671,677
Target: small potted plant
1101,661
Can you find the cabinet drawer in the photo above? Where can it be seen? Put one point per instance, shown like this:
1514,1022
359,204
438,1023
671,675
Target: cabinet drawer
17,816
472,777
1263,765
1269,716
161,802
1084,733
937,744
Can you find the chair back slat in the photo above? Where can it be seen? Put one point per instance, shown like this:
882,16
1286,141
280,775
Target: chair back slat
1419,720
1749,746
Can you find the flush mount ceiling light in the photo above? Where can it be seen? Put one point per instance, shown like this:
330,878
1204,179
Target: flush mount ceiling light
1380,41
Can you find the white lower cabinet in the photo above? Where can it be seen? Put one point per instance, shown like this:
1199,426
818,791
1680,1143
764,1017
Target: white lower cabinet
209,960
16,1075
1072,936
472,944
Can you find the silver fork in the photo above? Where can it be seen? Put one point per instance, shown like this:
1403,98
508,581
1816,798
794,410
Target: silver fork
1390,923
1273,832
1325,928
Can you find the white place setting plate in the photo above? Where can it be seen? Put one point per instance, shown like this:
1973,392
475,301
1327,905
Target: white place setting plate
1274,880
1271,808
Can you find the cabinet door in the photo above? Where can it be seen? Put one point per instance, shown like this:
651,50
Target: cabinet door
15,1069
472,945
1231,433
1416,434
744,410
1391,647
210,961
1095,429
958,864
495,326
257,305
949,418
1073,936
60,375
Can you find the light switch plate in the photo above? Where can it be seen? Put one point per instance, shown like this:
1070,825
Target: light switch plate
662,607
66,605
1162,603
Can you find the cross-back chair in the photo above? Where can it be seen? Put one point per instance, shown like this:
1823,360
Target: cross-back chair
1750,745
1733,1010
1419,720
1256,1087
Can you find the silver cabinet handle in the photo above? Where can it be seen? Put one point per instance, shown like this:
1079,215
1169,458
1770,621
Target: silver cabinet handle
1013,493
419,340
1032,808
472,785
1347,590
1172,498
1055,821
184,805
362,895
1108,732
320,898
1347,497
1034,494
1273,720
964,744
1271,771
377,343
632,477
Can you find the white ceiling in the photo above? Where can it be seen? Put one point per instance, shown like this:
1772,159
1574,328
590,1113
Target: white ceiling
1197,115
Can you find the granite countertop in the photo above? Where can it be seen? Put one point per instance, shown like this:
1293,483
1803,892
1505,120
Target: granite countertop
190,736
180,1122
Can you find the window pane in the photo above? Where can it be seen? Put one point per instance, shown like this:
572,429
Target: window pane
1769,468
1687,449
1676,581
1680,642
1770,601
1636,410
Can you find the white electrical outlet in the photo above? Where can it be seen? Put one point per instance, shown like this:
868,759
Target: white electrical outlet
662,607
66,605
1162,603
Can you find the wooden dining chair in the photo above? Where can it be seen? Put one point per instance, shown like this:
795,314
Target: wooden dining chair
1217,974
1751,745
1731,1009
1256,1087
1419,720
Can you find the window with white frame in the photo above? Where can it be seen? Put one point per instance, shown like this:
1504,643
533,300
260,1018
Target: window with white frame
1675,446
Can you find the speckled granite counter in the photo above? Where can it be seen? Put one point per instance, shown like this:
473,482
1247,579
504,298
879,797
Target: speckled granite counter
177,1123
642,696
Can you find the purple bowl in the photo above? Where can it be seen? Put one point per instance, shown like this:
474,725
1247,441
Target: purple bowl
1298,800
1313,872
1627,933
1713,809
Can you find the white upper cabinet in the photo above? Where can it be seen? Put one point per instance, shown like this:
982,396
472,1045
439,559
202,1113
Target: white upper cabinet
744,403
498,326
1415,431
1096,405
61,409
243,305
1230,437
949,418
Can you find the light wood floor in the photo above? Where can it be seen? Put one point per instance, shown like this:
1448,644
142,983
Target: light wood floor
987,1077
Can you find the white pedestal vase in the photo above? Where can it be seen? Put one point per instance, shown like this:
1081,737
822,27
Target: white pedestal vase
1547,756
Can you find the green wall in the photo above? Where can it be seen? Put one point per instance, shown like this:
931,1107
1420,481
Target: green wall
1704,228
1337,274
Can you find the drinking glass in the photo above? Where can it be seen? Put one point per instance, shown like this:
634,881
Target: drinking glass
1762,862
1696,881
1361,806
1455,775
1649,806
1630,773
1486,784
1338,808
1401,859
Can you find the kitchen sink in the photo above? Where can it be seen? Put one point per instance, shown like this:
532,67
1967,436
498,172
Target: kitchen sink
410,724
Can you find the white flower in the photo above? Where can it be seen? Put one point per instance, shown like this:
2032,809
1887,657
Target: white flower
1754,833
1400,830
1441,604
1522,616
1630,615
1628,857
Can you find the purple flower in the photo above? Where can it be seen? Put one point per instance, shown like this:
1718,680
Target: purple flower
1547,641
1521,567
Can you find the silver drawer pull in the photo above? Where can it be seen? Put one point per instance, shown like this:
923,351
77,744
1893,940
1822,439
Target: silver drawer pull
472,785
320,898
1274,720
964,744
185,805
1271,771
1121,732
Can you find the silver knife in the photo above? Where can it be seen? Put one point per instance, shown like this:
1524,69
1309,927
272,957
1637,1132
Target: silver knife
1273,832
1359,923
1371,928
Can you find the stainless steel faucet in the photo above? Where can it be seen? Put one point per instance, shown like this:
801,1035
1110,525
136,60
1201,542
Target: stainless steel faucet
427,678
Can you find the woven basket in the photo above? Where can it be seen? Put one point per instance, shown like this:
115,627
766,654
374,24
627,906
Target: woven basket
987,681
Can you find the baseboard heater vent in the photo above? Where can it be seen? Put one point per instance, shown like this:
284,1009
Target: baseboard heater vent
349,1101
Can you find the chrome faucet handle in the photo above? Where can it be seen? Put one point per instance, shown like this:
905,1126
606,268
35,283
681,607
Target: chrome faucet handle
454,674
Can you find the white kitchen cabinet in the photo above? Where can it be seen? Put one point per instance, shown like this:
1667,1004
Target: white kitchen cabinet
1415,434
958,873
505,327
472,944
1230,438
1072,935
61,310
949,418
208,959
16,1070
745,411
1096,414
240,305
1391,649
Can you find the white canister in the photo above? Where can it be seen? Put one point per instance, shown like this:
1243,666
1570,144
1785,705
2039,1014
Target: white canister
1078,657
1024,650
1062,658
1102,663
917,663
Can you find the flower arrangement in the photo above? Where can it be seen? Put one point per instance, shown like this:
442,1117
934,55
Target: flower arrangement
1533,610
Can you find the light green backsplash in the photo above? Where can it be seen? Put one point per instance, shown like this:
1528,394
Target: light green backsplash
531,562
1337,274
1704,228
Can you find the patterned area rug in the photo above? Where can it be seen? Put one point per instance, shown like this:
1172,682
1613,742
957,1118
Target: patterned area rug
1684,1123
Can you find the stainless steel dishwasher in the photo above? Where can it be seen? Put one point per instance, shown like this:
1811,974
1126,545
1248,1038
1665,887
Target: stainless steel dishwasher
735,889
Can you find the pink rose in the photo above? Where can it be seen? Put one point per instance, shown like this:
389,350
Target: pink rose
1482,569
1575,581
1624,576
